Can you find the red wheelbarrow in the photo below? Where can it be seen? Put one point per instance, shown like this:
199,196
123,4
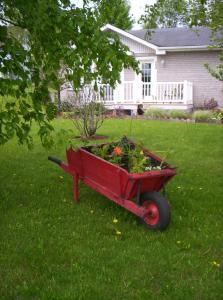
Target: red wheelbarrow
137,192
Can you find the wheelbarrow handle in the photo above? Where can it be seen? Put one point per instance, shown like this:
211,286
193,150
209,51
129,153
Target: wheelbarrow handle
55,160
62,165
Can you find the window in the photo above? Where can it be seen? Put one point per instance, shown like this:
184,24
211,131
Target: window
146,72
146,79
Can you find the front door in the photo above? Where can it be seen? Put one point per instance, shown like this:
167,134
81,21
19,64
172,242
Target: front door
146,72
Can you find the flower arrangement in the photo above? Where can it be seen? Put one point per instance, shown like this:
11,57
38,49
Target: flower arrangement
128,156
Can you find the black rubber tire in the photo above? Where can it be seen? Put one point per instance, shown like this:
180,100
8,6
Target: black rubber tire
162,206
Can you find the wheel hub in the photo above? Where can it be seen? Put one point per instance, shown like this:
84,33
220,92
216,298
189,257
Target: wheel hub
152,213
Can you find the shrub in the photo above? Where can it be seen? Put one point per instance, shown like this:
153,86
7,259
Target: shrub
68,115
157,113
99,108
203,115
210,104
218,115
88,113
181,114
66,106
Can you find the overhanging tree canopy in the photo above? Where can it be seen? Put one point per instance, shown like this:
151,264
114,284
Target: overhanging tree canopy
194,13
163,14
115,12
54,33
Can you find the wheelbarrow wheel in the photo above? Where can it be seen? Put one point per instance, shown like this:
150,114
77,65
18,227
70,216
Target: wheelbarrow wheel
157,214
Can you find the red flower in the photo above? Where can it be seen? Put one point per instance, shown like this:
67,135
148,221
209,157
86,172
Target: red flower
117,151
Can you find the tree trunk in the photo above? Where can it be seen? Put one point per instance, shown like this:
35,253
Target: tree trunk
59,100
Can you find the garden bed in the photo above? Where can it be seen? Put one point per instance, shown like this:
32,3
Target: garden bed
209,121
128,155
198,116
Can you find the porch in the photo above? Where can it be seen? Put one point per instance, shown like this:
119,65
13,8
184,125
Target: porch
166,95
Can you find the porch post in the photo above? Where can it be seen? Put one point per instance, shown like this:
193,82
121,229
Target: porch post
185,92
190,87
116,94
138,89
119,90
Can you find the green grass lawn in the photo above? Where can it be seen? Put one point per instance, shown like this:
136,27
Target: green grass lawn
51,248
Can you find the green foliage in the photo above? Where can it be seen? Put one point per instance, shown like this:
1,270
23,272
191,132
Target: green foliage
209,13
138,162
127,155
165,13
218,71
218,115
157,113
88,111
50,34
102,152
66,106
181,114
115,12
125,144
99,108
16,118
117,160
202,115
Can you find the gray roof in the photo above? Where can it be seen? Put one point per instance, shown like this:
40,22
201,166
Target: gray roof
176,37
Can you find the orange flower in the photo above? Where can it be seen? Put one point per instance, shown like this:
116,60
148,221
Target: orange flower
117,151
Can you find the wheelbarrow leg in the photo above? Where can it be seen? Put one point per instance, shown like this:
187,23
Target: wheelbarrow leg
75,186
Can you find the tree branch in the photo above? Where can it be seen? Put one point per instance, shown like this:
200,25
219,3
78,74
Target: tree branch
11,22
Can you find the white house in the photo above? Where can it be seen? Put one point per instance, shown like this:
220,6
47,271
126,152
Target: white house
173,75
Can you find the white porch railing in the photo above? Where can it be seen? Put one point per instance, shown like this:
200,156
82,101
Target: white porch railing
106,92
159,92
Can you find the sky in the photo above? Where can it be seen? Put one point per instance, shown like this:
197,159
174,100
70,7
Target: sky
137,9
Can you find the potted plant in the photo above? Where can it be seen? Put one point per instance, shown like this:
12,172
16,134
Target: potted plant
127,155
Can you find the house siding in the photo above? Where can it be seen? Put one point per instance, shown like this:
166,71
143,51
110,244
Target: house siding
136,47
189,66
138,55
129,75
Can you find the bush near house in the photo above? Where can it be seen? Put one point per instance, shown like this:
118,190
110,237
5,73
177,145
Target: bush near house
67,106
211,115
218,115
157,113
163,113
180,114
208,104
214,115
203,115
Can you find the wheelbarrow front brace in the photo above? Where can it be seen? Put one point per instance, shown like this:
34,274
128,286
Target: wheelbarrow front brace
68,170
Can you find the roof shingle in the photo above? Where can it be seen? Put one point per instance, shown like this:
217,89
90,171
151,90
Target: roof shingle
176,37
